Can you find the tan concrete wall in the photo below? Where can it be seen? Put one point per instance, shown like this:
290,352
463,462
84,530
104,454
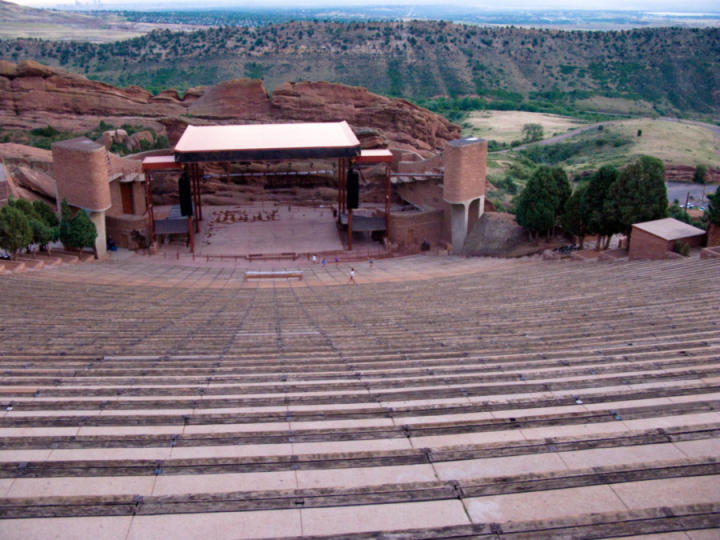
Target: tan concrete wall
428,194
80,169
644,245
116,208
139,198
713,235
465,167
410,229
139,204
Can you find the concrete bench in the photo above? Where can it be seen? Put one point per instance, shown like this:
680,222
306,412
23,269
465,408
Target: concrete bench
273,274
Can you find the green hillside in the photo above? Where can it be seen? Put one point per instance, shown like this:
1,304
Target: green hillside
676,70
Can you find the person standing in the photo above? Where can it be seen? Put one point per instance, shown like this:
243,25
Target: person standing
351,279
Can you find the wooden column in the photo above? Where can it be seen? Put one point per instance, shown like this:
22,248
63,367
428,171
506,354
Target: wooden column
200,170
195,184
341,188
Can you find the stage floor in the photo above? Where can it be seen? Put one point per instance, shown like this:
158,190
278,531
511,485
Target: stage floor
270,229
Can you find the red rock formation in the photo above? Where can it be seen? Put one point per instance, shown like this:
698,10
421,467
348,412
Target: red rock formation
33,95
238,98
404,124
685,173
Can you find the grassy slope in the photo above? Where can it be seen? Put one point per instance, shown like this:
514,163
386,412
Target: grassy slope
506,126
676,143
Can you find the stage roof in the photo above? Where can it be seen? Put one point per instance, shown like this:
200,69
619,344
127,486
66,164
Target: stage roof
266,142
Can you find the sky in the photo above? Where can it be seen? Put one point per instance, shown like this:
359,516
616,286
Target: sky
634,5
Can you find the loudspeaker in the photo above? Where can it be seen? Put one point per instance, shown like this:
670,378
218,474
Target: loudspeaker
353,189
185,194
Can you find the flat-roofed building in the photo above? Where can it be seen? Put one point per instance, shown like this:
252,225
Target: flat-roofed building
654,239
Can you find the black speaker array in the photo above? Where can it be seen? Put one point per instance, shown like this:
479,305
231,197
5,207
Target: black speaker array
185,194
353,189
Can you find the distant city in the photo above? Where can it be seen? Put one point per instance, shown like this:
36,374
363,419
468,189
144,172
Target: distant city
225,14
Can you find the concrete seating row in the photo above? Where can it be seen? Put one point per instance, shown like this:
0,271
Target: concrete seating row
536,399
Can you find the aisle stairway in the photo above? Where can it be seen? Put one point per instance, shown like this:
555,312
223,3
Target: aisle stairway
524,399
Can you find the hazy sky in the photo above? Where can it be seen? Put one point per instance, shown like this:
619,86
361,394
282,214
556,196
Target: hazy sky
640,5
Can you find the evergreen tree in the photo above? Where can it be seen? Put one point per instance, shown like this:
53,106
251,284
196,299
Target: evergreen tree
598,221
15,230
76,231
43,232
83,230
639,194
575,218
713,210
543,200
65,222
700,175
560,189
46,228
46,213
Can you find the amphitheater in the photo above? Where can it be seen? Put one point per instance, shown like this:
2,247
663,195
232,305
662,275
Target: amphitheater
439,397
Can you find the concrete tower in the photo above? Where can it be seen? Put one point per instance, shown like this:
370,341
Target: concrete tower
465,163
80,168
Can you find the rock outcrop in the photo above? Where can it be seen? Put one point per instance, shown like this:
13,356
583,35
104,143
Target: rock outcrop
494,234
684,173
33,95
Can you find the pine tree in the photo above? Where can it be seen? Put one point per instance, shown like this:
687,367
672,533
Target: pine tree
700,175
639,194
598,221
713,210
576,216
76,231
543,200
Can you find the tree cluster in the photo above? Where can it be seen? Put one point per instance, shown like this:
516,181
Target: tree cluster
24,224
609,203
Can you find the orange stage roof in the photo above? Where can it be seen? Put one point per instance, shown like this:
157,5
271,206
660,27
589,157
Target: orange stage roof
266,141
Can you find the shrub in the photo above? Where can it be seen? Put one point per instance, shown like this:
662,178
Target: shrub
532,132
683,248
48,131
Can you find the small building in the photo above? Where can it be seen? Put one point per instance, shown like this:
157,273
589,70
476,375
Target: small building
654,239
